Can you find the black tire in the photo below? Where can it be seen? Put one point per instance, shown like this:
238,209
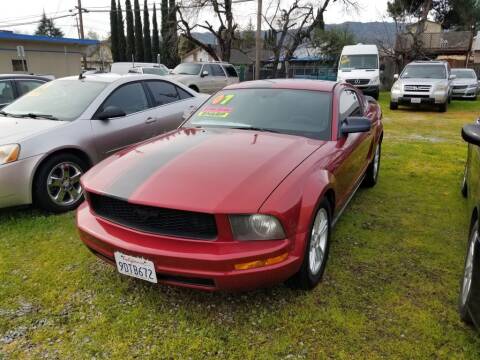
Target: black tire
40,193
194,88
443,107
305,279
371,175
376,95
464,189
393,105
465,301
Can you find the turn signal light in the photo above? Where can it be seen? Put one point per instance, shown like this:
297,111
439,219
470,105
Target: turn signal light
260,263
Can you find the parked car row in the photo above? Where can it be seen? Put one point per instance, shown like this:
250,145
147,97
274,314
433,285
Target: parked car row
13,86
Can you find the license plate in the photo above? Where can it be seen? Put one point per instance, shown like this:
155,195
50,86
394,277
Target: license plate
136,267
416,100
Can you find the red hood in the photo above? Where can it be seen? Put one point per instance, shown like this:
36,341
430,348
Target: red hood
214,170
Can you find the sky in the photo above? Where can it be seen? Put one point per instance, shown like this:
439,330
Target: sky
13,14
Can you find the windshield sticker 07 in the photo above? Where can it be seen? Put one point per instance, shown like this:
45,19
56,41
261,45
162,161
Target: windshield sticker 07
219,112
222,99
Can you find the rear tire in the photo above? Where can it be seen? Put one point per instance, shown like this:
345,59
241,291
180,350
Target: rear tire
56,187
371,175
393,105
468,277
316,250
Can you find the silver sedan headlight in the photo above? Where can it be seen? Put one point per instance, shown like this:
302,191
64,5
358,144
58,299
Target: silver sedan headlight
9,153
256,227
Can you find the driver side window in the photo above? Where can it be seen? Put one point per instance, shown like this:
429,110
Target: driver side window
130,98
349,105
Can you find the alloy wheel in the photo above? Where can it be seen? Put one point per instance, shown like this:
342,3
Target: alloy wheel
318,241
468,272
63,184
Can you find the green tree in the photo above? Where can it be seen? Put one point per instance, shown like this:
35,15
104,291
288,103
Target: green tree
147,41
172,35
331,42
248,36
457,14
48,28
114,31
155,36
130,46
122,42
164,32
139,52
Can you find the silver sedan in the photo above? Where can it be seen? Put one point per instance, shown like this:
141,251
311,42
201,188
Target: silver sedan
52,135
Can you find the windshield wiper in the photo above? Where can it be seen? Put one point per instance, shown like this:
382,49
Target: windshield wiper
254,128
36,116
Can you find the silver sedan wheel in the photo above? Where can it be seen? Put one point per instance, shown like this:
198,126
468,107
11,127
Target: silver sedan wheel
376,161
468,272
63,184
318,241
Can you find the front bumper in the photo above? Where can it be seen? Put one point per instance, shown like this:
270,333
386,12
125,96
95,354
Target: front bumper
206,265
467,93
405,98
16,182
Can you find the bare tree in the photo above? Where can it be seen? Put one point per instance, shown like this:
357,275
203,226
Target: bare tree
224,34
294,25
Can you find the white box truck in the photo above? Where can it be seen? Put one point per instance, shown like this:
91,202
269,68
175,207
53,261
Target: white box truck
359,66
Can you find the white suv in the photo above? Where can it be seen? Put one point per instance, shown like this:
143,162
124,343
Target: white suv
423,82
205,77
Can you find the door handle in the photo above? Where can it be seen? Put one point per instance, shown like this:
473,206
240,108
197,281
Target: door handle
150,120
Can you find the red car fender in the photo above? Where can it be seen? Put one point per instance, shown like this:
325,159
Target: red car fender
296,200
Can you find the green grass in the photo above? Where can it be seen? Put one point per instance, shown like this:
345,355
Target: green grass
390,289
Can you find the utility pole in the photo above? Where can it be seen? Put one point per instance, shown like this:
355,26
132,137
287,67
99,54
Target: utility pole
82,34
258,40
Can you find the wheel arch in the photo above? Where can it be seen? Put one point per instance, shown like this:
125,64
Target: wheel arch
69,150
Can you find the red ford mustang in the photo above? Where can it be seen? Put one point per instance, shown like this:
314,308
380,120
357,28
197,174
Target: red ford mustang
244,194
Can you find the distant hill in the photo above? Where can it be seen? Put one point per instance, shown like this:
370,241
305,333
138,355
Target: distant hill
368,32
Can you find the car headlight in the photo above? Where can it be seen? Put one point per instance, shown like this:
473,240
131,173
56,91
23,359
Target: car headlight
9,153
375,80
471,86
256,227
396,87
441,87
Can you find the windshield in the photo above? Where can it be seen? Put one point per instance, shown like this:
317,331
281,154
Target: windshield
187,69
358,62
155,71
424,72
296,112
464,74
60,99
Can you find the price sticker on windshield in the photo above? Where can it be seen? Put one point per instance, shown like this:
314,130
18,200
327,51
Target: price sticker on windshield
218,112
222,99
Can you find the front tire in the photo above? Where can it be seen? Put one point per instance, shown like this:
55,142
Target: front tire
316,250
443,107
393,105
468,274
371,175
57,186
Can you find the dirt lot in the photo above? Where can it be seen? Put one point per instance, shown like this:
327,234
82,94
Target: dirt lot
390,289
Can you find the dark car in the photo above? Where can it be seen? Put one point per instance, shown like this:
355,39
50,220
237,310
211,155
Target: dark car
469,306
15,85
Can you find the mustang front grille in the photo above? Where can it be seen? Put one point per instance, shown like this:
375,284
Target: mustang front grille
169,222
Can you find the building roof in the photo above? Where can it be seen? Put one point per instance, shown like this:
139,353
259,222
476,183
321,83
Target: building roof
10,35
294,84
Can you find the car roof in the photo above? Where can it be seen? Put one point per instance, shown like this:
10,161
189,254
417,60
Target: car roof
461,69
208,63
294,84
23,76
428,62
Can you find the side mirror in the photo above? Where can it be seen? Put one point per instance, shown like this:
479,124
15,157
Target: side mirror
188,112
110,112
355,124
471,134
204,73
395,77
452,77
382,67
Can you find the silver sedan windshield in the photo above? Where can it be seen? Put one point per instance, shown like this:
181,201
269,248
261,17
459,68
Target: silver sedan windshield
60,99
